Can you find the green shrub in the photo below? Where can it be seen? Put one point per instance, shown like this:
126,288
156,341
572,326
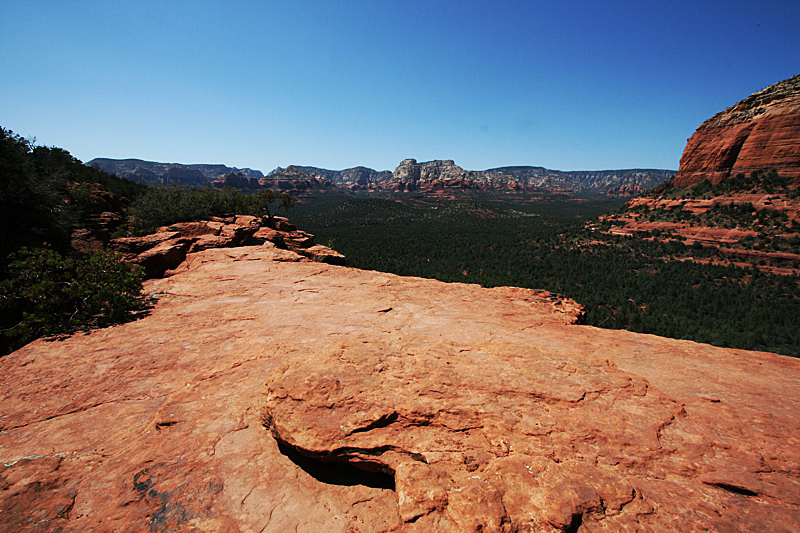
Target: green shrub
162,206
45,294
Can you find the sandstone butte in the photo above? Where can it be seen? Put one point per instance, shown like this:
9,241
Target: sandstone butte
268,393
761,131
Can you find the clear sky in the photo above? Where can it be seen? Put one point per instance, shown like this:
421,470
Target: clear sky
335,84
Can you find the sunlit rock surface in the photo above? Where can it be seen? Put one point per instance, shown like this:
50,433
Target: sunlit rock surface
762,131
268,394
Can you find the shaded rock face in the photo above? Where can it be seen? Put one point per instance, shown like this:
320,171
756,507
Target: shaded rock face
103,214
267,394
151,172
762,131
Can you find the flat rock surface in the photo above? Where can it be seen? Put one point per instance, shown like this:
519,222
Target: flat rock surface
264,394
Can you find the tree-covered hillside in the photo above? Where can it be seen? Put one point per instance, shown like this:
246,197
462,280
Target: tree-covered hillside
45,193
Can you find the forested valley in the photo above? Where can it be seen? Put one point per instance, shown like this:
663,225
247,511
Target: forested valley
624,282
542,241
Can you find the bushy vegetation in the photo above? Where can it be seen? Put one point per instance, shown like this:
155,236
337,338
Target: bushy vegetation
625,283
45,294
47,288
45,192
765,181
162,206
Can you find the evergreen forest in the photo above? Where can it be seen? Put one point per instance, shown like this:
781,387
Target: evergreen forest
624,282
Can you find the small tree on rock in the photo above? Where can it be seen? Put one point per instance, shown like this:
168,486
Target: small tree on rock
267,197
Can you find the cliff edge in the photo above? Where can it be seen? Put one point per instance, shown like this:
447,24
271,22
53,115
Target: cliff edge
264,393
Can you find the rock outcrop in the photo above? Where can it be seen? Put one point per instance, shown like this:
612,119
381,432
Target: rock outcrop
624,191
737,187
264,393
164,250
103,212
762,131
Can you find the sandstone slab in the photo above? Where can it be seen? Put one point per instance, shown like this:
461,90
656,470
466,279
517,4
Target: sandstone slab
264,393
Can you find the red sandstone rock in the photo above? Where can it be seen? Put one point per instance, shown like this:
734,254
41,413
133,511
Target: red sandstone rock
762,131
298,239
130,247
278,223
162,252
323,254
163,257
194,229
485,410
270,235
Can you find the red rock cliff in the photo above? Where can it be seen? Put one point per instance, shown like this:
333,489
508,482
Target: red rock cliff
761,131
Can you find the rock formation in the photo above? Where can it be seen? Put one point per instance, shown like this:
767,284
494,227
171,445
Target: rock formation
166,249
409,176
762,131
104,213
625,190
726,194
264,393
292,178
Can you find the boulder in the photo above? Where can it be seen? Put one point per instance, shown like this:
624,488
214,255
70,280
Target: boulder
298,239
131,247
323,254
194,229
278,223
165,256
265,234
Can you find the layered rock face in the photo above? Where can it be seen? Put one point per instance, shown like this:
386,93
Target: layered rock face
263,393
762,131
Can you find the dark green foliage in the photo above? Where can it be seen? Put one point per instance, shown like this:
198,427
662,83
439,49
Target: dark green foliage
625,283
162,206
46,294
58,163
766,181
760,181
267,197
44,194
36,185
29,202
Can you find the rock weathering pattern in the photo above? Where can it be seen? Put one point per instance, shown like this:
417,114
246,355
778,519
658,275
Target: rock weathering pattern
267,393
761,131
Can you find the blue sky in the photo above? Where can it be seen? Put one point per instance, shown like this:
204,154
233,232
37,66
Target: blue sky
335,84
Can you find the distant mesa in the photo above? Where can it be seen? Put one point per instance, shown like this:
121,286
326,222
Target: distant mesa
761,131
153,173
409,176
